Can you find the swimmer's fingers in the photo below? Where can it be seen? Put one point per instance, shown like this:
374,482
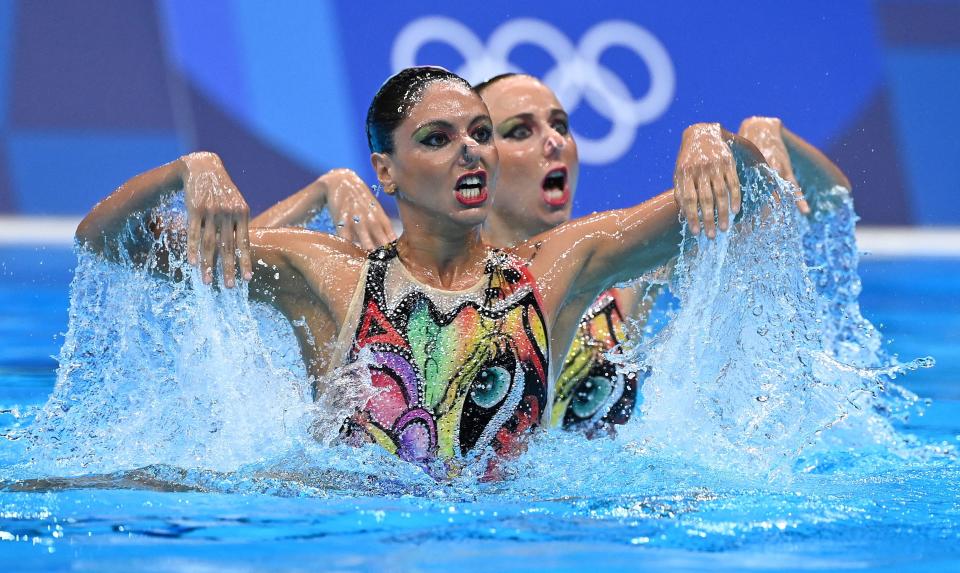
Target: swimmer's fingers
363,238
228,253
705,194
381,233
790,176
381,227
208,247
733,184
342,206
359,216
354,231
193,237
773,159
780,162
371,226
344,230
243,246
388,234
685,193
378,225
721,198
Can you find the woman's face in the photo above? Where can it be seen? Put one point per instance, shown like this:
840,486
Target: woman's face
538,156
444,163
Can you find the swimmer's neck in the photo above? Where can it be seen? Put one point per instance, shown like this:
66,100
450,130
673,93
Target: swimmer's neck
445,261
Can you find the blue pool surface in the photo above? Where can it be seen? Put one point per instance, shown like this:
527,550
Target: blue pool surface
861,513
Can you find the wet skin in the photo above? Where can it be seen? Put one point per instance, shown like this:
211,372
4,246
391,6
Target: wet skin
312,276
534,140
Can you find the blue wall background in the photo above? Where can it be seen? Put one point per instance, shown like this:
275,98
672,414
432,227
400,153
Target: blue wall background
93,92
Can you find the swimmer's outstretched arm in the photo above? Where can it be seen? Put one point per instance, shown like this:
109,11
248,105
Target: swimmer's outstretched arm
795,159
217,214
591,254
705,179
354,210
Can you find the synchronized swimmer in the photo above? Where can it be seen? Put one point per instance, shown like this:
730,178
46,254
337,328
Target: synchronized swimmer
460,318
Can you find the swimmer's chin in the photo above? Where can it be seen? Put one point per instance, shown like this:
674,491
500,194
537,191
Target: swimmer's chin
552,217
472,216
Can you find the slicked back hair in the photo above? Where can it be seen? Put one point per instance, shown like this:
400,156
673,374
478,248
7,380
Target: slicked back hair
396,97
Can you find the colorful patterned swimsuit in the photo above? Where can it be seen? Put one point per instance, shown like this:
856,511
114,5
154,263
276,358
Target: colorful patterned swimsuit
456,371
590,392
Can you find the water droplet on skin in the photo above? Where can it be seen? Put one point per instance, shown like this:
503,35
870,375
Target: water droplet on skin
356,218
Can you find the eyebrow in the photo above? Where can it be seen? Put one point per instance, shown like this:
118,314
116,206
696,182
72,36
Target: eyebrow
523,116
446,125
529,116
437,123
480,118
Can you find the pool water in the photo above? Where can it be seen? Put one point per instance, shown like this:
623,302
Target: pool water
852,509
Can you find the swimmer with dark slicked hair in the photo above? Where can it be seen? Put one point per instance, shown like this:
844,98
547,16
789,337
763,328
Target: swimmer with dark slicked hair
539,168
456,332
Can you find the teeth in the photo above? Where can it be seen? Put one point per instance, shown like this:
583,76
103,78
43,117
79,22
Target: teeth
471,193
553,195
471,181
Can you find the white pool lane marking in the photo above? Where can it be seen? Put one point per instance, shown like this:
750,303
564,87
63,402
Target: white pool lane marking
37,230
873,241
909,241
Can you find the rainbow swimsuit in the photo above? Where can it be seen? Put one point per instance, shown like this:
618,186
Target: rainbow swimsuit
590,392
456,371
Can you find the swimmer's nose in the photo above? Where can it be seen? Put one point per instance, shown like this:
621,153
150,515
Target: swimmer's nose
553,144
470,151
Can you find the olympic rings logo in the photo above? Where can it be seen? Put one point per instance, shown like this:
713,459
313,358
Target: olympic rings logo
577,75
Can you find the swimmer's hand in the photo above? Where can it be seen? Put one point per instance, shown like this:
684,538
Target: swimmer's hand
767,134
705,179
218,219
354,210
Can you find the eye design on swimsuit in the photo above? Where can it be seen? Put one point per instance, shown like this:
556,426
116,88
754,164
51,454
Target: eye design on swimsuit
590,395
495,393
454,376
590,391
491,387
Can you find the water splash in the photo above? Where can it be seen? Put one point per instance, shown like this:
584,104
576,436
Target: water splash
766,359
154,371
767,356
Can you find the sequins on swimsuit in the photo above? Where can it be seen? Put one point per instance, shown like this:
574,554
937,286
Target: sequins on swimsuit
590,393
456,371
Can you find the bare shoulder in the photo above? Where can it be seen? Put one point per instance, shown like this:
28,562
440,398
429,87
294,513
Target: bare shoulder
294,242
326,262
563,249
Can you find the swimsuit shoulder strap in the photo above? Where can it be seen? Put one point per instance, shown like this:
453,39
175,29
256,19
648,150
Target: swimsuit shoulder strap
377,263
508,274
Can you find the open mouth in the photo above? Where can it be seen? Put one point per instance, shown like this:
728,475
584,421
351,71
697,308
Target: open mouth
471,188
555,190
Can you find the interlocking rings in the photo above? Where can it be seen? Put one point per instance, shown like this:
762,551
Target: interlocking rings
577,76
